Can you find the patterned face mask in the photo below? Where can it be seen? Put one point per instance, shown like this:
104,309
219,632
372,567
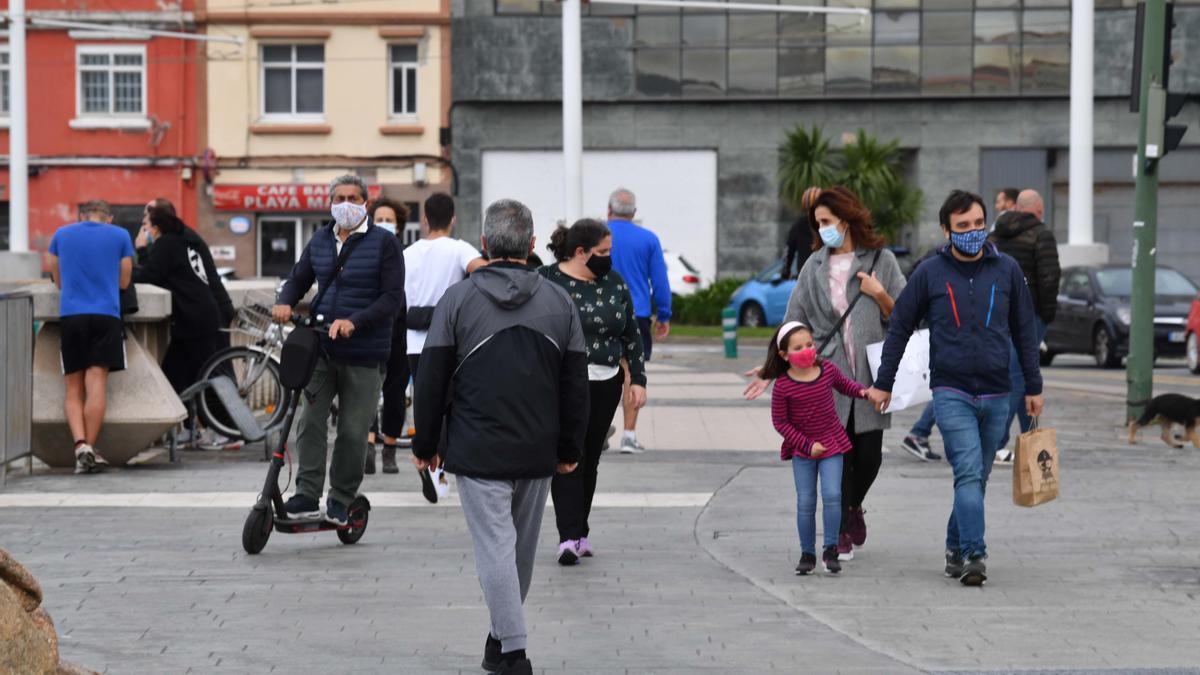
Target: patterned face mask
969,243
348,215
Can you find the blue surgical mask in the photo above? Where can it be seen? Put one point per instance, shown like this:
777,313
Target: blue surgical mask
832,236
969,243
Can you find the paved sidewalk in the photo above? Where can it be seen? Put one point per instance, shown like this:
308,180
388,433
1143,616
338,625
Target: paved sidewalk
695,548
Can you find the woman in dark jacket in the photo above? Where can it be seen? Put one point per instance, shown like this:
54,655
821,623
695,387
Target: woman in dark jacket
610,331
174,264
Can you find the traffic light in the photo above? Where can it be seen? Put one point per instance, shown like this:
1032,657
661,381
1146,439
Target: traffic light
1162,105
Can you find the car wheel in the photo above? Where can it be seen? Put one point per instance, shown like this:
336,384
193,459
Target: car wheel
1103,349
752,316
1193,353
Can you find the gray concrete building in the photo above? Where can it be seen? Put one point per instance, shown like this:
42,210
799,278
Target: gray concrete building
975,91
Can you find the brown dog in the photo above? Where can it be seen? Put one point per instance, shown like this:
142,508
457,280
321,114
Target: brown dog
1168,410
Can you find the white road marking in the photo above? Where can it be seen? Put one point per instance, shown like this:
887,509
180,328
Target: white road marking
238,500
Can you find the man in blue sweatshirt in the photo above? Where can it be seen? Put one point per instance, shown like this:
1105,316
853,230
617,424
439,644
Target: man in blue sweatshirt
637,256
977,304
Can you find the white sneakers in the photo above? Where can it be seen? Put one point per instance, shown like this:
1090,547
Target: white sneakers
87,460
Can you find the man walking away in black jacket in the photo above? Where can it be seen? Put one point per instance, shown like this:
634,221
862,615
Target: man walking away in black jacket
505,366
1021,234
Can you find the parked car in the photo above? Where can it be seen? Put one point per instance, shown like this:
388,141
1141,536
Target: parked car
685,279
762,300
1192,337
1094,314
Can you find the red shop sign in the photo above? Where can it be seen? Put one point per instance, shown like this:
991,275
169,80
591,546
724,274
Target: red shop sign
277,197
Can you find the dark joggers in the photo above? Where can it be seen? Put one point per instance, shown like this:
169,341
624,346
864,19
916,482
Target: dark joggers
573,492
861,466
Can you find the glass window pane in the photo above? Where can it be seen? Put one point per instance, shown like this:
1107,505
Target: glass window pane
611,10
95,91
4,58
756,30
310,53
848,70
802,71
996,27
946,70
277,53
518,7
703,72
93,59
1067,3
844,29
704,30
397,91
865,4
658,72
647,9
897,4
802,29
277,90
310,93
1046,68
127,92
897,28
897,70
4,104
657,31
947,4
1046,26
127,59
404,53
996,69
752,71
946,28
996,4
411,91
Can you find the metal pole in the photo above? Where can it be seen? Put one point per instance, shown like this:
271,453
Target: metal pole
1079,213
1140,371
572,112
18,144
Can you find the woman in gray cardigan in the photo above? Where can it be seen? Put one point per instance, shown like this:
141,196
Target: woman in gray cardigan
840,268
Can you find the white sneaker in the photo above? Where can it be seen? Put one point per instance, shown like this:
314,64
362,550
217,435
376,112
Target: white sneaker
85,459
1004,456
630,446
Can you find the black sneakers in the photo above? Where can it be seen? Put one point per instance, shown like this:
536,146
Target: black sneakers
808,563
491,655
302,506
336,513
427,487
919,447
974,572
954,564
830,560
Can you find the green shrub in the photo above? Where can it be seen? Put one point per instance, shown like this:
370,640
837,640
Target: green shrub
703,308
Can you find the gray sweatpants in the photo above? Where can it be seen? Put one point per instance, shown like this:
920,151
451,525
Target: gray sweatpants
504,517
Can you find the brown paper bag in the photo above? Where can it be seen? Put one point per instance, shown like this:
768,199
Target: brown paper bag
1035,467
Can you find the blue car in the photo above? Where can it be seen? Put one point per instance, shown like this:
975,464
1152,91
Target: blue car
762,301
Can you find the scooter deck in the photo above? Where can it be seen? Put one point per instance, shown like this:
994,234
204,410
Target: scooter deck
313,524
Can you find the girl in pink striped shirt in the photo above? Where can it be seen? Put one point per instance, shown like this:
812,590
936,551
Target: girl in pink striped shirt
814,440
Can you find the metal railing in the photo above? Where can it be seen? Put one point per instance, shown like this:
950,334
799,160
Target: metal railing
16,380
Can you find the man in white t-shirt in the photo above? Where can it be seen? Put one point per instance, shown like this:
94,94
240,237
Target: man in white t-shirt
433,264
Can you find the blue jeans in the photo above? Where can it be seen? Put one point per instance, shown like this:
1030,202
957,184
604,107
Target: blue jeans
1016,400
924,426
971,429
805,472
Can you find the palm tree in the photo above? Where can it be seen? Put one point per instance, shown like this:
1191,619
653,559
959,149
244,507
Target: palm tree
805,160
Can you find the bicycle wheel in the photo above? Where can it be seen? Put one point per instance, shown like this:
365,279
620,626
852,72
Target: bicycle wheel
256,376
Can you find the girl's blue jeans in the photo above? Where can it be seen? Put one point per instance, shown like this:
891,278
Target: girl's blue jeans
805,471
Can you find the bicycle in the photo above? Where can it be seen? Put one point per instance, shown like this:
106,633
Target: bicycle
253,367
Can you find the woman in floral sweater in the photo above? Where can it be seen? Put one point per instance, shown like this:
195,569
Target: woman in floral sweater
610,331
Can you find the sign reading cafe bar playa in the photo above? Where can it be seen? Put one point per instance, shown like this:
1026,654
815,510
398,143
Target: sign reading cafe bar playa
277,197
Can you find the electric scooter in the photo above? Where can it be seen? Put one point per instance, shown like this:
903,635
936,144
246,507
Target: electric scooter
297,361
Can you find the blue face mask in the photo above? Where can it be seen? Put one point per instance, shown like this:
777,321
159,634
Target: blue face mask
832,236
969,243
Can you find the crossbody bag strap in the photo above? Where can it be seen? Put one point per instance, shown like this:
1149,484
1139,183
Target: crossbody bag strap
837,328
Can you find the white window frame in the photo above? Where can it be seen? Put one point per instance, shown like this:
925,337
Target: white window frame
110,119
294,65
6,68
391,72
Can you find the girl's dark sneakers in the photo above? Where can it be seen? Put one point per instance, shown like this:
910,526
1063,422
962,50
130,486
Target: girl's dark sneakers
830,560
808,563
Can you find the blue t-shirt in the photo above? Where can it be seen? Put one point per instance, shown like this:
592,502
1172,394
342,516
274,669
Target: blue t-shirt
89,267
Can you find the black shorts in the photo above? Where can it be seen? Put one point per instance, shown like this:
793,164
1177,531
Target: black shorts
644,327
92,340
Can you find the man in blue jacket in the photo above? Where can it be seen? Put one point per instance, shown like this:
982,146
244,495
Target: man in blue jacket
361,299
638,256
977,304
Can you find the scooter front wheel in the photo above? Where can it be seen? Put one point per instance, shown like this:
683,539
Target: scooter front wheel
358,515
257,530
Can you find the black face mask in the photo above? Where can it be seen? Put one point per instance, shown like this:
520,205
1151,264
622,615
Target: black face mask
600,265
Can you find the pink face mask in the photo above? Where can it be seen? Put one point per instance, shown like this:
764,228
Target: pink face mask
805,358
